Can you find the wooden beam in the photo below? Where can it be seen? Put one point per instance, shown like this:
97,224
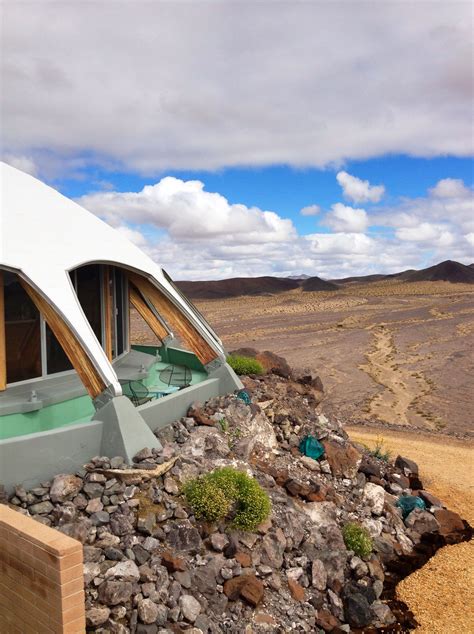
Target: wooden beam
70,344
3,354
177,321
137,301
108,308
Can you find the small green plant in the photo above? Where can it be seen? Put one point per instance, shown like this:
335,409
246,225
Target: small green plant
357,539
380,451
228,494
244,365
223,424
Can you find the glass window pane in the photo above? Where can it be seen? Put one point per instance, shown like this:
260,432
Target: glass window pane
119,311
57,360
88,292
22,332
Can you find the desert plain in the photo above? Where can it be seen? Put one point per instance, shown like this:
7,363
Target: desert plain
396,361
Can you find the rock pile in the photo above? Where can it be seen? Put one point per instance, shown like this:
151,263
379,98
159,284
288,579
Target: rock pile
151,567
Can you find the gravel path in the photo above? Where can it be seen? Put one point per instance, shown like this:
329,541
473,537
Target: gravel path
441,594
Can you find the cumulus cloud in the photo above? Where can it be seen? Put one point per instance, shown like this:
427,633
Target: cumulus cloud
150,86
358,190
310,210
347,219
223,239
188,212
450,188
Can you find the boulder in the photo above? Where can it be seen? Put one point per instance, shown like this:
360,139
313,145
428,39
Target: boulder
296,590
190,607
344,459
407,466
451,526
357,610
422,522
374,497
97,615
126,570
64,487
147,611
115,592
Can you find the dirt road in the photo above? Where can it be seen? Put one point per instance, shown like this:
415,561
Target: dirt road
441,594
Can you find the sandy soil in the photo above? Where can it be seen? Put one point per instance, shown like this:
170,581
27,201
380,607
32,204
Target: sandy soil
441,594
390,352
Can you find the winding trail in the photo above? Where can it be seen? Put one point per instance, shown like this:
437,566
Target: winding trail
402,387
441,593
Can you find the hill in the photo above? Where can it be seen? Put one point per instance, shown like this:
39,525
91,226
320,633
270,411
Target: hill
234,287
448,271
317,284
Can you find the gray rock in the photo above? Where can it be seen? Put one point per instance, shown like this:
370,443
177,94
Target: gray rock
357,610
114,592
147,611
101,518
382,613
144,454
374,496
41,508
125,570
184,537
319,575
93,489
422,522
219,541
97,615
190,607
121,524
64,487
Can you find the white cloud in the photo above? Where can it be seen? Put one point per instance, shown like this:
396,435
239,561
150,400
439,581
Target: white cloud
347,219
189,213
358,190
450,188
310,210
23,163
222,239
151,86
435,234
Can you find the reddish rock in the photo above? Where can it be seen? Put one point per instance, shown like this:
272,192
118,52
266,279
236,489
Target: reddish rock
344,460
318,496
252,591
200,417
270,361
326,620
244,559
173,563
264,619
296,487
296,590
232,587
429,499
451,526
246,587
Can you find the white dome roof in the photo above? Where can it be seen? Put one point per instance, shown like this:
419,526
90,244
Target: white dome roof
44,235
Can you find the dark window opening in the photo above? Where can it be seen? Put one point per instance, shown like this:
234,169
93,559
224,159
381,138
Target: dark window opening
22,332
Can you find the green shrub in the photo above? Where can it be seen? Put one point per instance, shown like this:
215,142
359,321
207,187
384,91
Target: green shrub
357,538
244,365
228,493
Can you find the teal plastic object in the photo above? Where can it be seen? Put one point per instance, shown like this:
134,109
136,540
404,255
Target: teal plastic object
409,503
311,447
244,396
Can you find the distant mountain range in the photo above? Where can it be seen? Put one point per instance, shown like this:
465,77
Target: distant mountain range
448,271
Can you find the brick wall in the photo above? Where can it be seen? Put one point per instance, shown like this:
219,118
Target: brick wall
41,578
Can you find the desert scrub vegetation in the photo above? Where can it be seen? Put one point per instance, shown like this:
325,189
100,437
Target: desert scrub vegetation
380,451
357,539
228,494
244,365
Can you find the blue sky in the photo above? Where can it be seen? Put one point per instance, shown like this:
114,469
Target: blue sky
201,131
